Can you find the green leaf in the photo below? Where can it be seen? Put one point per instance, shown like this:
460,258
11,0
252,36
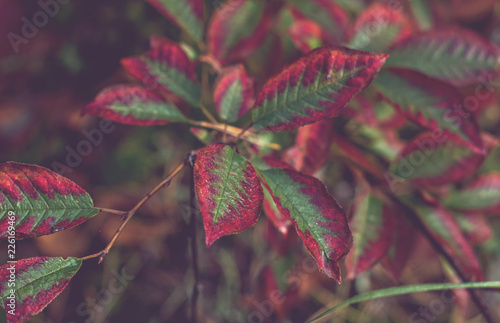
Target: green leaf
319,221
428,102
36,201
402,290
38,281
316,87
167,69
187,14
481,195
134,105
457,56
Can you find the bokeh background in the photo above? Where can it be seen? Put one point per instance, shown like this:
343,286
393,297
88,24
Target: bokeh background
43,88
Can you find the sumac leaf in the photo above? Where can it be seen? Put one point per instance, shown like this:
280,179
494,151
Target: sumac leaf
42,201
311,148
237,28
315,87
429,102
38,281
134,105
456,55
234,92
332,19
167,69
475,227
481,195
373,226
378,27
228,191
431,160
187,14
319,221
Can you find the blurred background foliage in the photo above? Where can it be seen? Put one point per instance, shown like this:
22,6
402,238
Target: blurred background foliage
42,91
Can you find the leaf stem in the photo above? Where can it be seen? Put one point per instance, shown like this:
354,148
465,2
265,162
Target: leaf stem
95,255
235,132
207,113
102,209
128,215
401,290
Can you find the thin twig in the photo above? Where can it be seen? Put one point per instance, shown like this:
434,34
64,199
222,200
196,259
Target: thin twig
194,253
92,256
207,113
102,209
130,213
234,131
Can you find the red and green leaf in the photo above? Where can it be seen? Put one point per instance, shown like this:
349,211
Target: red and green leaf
401,250
378,27
234,92
428,102
134,105
445,229
311,148
457,56
167,69
187,14
481,195
306,35
228,191
42,201
332,19
475,227
373,227
316,87
271,210
432,160
237,29
38,281
319,221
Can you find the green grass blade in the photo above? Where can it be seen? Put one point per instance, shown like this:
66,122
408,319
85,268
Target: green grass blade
400,290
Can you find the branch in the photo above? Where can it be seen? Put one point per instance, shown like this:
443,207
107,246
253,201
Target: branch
128,215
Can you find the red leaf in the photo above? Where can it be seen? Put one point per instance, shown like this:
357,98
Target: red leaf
433,160
319,221
187,14
306,35
134,105
429,102
31,284
315,87
228,191
444,228
373,227
455,55
333,20
237,29
378,27
401,250
40,201
311,148
167,69
234,92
